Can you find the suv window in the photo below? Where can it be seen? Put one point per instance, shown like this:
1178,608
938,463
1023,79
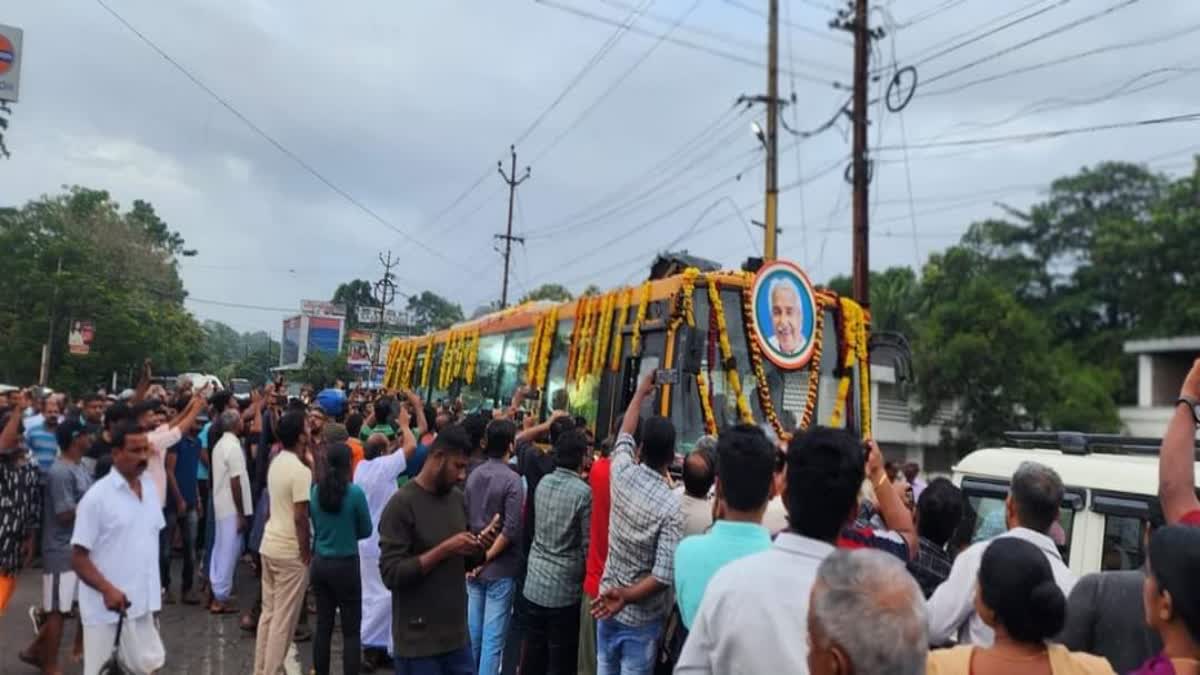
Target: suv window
987,499
1125,521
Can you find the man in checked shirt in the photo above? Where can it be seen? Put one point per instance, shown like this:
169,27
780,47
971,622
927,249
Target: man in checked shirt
645,526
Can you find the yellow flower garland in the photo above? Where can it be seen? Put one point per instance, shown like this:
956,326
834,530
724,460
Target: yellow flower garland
635,347
573,343
600,349
814,366
586,339
472,358
626,297
427,367
535,350
710,420
731,373
689,288
549,330
762,387
854,339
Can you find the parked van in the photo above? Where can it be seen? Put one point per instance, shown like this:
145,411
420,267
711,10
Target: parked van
1110,482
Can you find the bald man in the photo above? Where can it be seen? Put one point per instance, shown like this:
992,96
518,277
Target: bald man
785,318
699,473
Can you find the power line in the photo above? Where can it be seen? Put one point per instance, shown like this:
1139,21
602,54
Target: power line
271,139
1120,46
681,42
621,29
238,305
1035,39
933,52
616,83
929,13
800,27
1043,135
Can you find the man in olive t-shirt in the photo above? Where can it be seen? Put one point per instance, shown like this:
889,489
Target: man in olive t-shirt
426,552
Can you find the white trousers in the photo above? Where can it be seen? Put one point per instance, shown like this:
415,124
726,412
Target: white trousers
141,650
376,605
227,548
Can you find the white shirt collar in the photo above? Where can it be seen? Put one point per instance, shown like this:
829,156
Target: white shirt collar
796,544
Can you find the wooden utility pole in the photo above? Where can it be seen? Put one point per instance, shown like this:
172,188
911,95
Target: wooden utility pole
507,237
861,165
771,217
385,293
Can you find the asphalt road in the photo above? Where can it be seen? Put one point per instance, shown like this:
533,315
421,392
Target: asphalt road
197,642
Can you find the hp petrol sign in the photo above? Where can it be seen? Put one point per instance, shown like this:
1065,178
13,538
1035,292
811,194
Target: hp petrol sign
10,62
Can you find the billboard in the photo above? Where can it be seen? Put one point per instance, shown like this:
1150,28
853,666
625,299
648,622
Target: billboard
361,347
79,340
290,351
321,308
10,62
324,335
371,316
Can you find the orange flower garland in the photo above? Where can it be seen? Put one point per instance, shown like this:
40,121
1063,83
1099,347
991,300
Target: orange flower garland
814,366
635,347
760,376
710,420
600,348
730,365
626,297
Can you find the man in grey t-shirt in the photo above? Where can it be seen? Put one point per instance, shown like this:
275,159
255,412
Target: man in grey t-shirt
66,481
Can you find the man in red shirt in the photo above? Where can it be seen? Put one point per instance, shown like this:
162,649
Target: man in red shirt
598,478
1176,460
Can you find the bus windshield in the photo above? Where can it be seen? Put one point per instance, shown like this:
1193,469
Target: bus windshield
789,389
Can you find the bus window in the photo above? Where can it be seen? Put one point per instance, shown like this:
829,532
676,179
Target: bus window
512,368
482,392
555,397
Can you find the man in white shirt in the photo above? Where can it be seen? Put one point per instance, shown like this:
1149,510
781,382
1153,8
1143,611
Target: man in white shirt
161,436
754,614
115,555
232,508
1031,510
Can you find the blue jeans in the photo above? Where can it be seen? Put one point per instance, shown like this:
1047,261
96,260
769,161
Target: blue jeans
457,662
626,650
489,606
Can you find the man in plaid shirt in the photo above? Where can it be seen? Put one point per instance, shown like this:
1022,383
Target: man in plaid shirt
645,527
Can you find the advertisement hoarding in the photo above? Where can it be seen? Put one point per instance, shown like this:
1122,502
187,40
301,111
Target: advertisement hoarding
79,339
321,308
290,352
10,62
324,335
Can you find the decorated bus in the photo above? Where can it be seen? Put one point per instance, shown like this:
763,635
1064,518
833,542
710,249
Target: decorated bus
728,346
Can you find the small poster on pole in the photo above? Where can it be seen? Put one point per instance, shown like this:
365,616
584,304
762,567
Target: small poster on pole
79,340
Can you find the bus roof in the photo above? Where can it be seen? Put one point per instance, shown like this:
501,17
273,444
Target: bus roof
525,315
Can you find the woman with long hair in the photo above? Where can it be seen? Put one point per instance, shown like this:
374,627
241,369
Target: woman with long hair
1171,597
340,517
1019,600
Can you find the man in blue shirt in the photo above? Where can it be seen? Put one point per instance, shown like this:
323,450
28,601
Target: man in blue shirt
745,472
41,438
181,514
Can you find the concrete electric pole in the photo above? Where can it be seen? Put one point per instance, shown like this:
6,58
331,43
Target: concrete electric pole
507,237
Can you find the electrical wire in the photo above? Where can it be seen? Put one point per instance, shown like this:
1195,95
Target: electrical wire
238,305
605,48
1070,25
681,42
287,152
927,14
800,27
616,83
1153,40
1044,135
940,49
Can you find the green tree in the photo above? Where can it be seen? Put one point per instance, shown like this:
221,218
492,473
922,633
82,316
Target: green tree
591,290
550,292
118,270
431,312
352,295
322,370
895,293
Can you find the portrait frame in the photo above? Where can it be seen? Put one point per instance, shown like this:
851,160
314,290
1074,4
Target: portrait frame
769,277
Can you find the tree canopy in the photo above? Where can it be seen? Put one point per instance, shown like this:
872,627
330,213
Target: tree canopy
431,312
352,295
118,269
551,292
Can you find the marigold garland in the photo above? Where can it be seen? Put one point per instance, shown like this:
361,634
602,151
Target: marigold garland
854,348
729,363
535,350
635,345
710,420
600,349
573,343
549,330
689,288
472,358
427,367
762,387
626,297
587,339
814,366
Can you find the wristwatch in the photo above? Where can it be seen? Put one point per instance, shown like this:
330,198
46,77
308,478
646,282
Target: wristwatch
1192,403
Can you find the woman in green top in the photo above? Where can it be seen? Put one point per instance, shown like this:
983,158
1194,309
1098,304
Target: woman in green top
340,517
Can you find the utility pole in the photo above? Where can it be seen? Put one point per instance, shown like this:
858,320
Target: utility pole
44,372
507,237
861,164
385,293
770,236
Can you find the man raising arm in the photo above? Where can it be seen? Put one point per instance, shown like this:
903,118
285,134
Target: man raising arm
1176,460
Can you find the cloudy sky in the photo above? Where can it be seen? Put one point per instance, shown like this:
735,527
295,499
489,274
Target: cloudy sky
374,126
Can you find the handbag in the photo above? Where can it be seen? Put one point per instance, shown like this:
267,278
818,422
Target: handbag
113,665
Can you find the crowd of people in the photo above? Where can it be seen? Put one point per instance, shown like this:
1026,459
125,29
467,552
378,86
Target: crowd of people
440,541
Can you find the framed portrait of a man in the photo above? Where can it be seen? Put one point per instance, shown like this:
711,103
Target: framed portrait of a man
784,314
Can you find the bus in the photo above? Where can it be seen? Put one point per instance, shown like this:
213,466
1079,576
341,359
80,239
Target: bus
763,347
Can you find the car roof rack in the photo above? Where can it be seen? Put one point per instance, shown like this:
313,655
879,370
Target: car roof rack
1077,443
